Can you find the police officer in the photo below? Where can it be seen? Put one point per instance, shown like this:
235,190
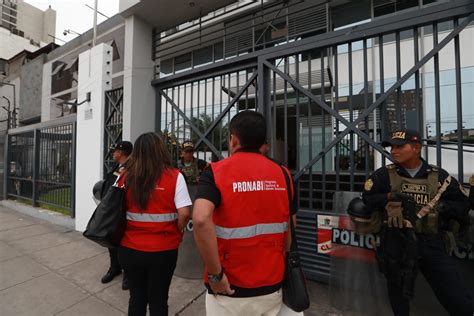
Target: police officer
430,187
120,154
190,166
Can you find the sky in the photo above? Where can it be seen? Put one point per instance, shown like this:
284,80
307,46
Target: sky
74,15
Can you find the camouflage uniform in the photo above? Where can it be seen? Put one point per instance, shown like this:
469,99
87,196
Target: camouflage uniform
192,171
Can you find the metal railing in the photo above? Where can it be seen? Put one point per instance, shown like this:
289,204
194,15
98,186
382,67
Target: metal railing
327,128
113,125
40,165
258,27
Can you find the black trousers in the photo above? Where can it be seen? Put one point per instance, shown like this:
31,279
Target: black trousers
114,262
443,276
149,277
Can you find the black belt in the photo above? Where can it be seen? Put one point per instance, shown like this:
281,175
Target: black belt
249,292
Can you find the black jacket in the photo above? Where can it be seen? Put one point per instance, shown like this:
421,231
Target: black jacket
457,204
109,180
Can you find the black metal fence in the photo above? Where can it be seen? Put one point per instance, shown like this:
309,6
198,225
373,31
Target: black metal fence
113,125
330,99
40,165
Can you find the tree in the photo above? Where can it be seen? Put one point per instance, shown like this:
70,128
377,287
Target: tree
218,137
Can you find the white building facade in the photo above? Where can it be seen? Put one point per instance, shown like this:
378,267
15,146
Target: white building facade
24,27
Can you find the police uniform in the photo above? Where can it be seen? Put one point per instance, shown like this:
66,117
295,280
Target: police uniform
115,267
439,269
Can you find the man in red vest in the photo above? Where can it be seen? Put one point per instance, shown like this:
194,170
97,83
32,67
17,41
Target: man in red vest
241,225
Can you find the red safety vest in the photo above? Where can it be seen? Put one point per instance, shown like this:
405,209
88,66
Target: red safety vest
156,227
251,221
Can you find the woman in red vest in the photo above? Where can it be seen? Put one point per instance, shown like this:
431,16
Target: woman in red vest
158,209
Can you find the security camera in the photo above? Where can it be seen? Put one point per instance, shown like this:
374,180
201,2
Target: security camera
64,33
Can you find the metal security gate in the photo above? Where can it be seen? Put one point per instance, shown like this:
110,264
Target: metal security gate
201,110
113,125
329,100
40,165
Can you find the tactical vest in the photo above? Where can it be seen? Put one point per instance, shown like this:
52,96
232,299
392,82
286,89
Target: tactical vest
251,222
422,191
191,172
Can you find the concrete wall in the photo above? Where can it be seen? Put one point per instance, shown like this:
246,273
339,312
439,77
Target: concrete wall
31,87
125,4
95,67
138,95
70,50
35,23
11,44
49,25
46,92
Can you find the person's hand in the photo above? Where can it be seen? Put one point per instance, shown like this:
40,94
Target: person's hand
394,214
221,287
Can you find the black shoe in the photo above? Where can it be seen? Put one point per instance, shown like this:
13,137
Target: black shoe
110,275
125,286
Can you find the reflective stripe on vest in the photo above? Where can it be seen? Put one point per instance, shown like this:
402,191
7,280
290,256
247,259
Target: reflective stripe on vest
152,218
251,231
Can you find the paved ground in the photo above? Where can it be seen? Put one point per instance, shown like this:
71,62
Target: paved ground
48,269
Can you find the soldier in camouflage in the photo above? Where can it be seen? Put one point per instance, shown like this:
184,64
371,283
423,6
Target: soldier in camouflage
437,200
190,166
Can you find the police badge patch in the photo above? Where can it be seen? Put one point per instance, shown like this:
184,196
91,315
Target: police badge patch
368,184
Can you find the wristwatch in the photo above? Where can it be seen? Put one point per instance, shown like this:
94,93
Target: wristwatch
215,278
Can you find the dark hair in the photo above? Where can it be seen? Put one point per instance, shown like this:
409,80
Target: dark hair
145,166
250,128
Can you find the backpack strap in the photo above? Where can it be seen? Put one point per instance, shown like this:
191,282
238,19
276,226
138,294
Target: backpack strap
294,243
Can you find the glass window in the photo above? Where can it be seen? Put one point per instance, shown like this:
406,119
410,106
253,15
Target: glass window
166,66
384,7
218,51
182,62
359,11
448,106
202,56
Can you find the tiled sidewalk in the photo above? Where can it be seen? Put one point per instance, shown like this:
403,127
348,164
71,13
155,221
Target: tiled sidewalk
47,269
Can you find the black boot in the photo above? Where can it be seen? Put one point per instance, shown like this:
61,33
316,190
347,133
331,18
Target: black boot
110,275
125,285
114,269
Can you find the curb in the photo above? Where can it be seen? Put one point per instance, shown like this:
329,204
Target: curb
47,215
